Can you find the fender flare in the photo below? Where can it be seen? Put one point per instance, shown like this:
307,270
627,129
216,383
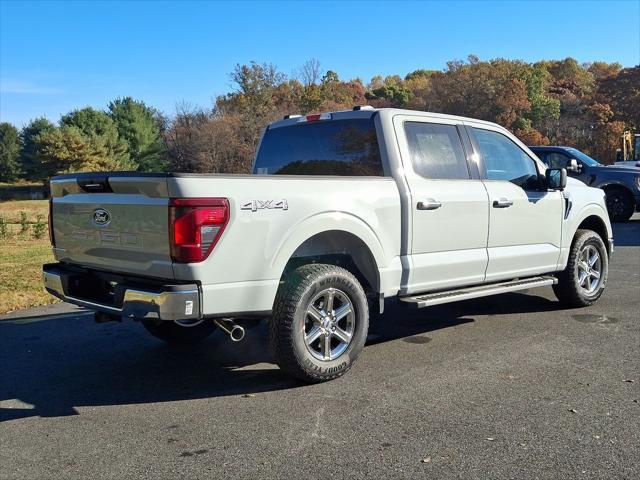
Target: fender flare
299,233
569,232
615,183
589,210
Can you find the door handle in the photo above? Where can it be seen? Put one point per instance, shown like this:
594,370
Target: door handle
429,204
502,202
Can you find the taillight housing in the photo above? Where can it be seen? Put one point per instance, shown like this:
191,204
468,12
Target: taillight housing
195,226
52,238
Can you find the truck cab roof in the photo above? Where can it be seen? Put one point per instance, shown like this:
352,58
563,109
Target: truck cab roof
360,112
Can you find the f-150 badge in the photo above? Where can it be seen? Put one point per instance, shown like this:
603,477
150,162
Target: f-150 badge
256,205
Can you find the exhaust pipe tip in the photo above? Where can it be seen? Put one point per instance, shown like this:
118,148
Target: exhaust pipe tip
235,331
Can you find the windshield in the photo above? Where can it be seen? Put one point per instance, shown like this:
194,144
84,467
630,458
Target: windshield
584,158
337,147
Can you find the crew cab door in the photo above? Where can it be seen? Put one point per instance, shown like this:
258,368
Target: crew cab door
525,221
449,210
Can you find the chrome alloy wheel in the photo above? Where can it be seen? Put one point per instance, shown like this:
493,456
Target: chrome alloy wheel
589,269
329,324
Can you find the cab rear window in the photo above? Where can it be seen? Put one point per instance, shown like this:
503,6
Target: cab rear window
332,147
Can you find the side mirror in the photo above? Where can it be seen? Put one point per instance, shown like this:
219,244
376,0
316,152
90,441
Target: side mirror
556,178
573,166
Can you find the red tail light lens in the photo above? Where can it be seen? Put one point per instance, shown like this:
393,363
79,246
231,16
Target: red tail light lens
52,238
195,225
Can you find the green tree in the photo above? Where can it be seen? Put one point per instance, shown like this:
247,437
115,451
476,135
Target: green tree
397,95
69,149
543,107
330,77
420,73
9,152
30,156
100,129
138,126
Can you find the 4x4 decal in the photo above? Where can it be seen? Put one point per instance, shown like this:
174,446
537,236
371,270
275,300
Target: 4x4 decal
256,205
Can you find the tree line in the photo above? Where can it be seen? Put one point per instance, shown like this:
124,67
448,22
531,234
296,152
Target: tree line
587,106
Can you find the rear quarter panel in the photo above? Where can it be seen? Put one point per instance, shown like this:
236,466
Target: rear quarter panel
271,216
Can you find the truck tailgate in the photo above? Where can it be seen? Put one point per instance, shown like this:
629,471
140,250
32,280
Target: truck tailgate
115,222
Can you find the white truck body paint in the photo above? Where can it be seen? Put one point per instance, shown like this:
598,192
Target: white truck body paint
465,241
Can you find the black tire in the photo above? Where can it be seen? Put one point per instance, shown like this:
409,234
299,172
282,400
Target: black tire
569,289
292,323
620,204
176,334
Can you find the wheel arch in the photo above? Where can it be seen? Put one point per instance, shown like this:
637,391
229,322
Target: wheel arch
611,185
598,225
342,248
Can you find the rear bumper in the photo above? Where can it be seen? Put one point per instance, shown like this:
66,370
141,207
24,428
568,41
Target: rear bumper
128,298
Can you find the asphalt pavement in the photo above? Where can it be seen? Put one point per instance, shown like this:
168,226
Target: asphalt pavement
511,386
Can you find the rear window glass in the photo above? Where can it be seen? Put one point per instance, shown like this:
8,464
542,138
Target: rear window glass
333,147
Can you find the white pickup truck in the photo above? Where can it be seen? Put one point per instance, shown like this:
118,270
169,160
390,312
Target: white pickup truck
343,210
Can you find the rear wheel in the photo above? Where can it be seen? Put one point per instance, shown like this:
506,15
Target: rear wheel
320,322
620,204
583,281
180,332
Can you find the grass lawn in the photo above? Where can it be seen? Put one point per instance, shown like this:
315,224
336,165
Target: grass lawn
11,209
21,258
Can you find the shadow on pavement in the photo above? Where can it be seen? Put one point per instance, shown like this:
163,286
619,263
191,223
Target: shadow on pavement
59,364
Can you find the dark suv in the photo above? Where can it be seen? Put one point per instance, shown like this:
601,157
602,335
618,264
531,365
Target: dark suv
621,183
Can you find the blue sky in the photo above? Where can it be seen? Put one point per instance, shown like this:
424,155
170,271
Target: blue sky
56,56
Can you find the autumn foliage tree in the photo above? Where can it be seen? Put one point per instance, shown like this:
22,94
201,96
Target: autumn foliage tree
549,102
586,106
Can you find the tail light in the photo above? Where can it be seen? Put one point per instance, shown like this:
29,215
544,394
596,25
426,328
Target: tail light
52,238
195,225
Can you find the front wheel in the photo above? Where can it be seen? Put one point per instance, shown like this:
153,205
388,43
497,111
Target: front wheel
581,284
320,322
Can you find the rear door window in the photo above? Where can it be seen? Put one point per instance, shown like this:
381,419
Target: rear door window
436,151
326,147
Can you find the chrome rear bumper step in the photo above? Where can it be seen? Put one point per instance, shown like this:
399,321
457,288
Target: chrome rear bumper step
437,298
167,302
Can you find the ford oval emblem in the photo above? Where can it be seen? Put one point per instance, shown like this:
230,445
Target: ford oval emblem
101,217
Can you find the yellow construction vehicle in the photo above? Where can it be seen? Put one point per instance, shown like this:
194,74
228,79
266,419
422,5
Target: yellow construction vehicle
630,151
